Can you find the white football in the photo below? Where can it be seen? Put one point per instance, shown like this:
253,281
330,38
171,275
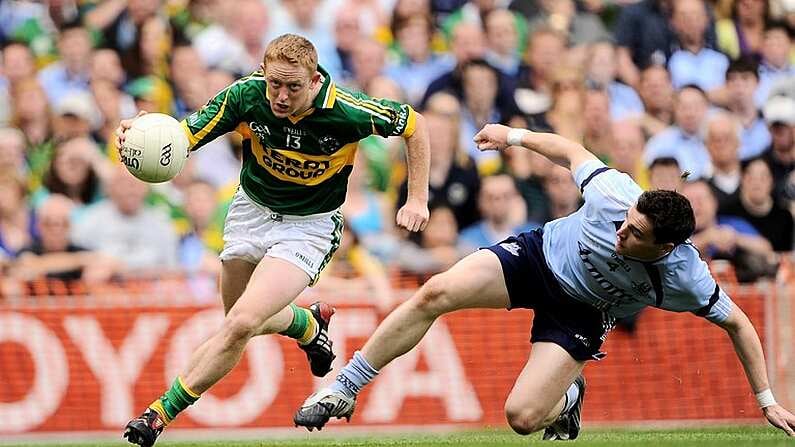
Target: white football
155,148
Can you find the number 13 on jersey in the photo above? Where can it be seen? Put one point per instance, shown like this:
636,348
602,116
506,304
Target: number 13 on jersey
293,141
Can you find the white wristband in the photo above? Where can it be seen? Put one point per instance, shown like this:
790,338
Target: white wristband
515,136
765,398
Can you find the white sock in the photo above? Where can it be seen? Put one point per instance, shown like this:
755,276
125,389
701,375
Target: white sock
354,376
571,397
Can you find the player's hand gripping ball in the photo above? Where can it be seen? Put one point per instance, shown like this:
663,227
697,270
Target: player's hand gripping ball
155,148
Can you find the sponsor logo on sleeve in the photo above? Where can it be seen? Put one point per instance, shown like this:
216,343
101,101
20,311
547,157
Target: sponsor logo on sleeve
402,120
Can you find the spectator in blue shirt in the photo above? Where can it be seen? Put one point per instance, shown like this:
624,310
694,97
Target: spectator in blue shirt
644,37
601,71
683,140
694,62
503,41
416,64
498,202
776,63
742,80
194,254
72,71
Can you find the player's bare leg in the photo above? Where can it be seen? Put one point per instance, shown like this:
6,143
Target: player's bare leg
543,390
274,284
261,308
474,282
234,278
235,274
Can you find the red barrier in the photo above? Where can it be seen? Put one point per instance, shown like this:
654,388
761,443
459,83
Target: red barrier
83,366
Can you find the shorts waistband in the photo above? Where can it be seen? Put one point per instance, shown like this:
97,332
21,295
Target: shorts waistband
278,217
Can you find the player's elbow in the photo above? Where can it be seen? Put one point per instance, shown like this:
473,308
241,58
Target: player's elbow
736,321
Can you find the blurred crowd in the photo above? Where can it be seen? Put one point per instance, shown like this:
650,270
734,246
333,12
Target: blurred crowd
692,95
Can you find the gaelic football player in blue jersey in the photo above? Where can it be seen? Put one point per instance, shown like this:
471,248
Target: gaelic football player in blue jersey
623,250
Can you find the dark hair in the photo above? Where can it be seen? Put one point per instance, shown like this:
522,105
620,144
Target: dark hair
398,23
780,25
55,185
670,214
743,64
479,62
745,164
72,25
664,161
12,42
735,15
692,87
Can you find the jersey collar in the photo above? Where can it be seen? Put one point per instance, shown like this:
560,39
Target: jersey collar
328,91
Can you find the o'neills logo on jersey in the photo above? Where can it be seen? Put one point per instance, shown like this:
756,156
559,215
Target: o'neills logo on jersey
303,169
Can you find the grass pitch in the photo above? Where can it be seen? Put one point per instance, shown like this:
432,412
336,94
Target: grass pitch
702,437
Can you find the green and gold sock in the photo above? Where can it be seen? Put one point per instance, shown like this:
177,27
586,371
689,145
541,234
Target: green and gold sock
176,399
303,327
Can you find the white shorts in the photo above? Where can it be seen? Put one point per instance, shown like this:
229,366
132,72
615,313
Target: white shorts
252,231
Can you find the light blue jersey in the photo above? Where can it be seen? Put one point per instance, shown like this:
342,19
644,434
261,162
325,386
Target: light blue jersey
580,251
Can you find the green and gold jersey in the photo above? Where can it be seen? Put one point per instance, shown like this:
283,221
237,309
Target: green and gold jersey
297,165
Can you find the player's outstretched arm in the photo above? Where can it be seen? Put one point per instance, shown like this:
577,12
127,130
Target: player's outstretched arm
560,150
749,351
413,216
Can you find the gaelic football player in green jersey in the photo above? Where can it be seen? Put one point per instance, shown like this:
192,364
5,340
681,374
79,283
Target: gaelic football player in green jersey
300,135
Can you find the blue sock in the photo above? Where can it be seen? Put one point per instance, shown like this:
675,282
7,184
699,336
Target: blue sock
356,374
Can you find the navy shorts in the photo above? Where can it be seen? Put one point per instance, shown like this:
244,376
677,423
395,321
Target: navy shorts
558,318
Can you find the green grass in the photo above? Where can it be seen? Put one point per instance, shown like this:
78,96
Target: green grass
706,437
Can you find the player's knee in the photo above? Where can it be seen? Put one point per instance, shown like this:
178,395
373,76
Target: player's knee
434,296
239,327
524,420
